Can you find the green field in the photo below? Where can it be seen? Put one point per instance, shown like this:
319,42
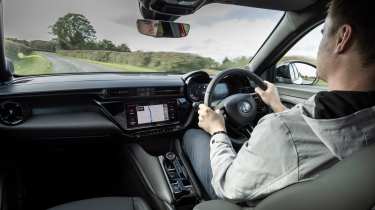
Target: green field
122,67
32,64
130,68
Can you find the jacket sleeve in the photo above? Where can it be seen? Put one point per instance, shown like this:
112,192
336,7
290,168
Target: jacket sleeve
266,163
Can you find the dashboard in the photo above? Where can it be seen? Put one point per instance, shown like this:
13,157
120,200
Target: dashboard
71,106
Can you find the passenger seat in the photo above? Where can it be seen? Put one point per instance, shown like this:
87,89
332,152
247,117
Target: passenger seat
106,203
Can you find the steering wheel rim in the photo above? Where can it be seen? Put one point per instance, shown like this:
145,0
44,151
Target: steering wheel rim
235,105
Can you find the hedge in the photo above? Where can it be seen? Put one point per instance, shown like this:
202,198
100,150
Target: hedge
166,61
13,49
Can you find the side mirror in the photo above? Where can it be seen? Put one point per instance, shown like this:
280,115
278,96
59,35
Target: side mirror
297,72
159,28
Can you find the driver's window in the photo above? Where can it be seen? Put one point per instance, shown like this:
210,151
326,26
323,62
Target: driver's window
298,66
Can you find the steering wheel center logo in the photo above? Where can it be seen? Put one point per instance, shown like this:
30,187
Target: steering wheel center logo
245,107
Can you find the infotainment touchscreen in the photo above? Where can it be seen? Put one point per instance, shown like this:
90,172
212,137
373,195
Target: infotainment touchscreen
152,113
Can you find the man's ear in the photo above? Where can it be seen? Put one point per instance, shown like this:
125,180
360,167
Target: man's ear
344,38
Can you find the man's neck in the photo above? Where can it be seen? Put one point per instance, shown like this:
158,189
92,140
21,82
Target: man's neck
356,79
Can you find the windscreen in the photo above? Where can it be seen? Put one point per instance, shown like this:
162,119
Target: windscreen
75,36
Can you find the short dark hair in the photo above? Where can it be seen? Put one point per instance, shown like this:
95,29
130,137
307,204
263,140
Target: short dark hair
359,14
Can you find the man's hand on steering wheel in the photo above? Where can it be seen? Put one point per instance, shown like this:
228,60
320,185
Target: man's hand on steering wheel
271,97
213,121
209,120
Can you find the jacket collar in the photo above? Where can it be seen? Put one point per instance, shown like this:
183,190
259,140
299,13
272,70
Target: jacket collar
343,135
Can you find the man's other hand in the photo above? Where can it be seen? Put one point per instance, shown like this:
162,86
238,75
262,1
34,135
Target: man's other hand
271,97
209,120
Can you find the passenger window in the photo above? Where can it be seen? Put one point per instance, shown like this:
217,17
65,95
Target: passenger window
298,66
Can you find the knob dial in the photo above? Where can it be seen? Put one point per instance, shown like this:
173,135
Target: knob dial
170,156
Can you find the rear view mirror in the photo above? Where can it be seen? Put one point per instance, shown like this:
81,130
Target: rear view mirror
159,28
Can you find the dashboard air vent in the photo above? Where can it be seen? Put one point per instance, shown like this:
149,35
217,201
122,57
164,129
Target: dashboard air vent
119,93
141,92
167,91
12,113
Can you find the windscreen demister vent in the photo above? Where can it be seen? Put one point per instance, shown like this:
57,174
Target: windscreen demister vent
13,113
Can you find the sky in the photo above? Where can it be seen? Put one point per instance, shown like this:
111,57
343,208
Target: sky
309,44
217,30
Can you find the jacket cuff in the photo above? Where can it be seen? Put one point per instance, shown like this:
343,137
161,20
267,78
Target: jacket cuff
220,138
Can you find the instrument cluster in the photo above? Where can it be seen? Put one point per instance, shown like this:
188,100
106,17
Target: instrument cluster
197,86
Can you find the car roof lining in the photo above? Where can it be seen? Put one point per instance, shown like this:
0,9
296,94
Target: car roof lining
283,5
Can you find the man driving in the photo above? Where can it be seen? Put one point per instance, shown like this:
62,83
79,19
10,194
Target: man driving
290,146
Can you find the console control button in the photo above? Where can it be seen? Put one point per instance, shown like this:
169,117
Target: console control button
170,156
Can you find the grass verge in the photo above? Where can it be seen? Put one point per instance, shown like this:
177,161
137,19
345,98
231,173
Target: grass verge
32,65
116,66
122,67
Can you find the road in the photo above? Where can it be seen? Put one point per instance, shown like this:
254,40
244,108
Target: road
72,65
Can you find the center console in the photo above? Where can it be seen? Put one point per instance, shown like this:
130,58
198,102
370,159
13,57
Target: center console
165,178
178,179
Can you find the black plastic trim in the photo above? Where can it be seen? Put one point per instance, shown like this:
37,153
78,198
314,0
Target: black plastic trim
5,75
85,83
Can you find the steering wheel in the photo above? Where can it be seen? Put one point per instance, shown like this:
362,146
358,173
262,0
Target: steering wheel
239,109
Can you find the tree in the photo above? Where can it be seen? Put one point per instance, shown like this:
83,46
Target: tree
123,48
226,60
73,31
106,45
238,62
91,45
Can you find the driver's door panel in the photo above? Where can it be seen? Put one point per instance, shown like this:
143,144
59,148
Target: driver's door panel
292,94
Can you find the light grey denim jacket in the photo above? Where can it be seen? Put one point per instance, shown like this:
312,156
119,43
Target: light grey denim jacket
286,148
